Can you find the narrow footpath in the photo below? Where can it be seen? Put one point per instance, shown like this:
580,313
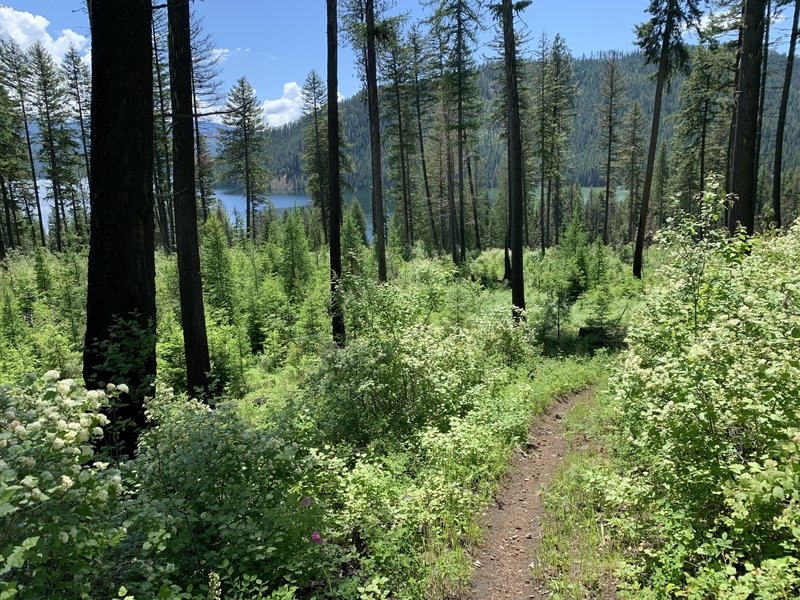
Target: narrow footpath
502,564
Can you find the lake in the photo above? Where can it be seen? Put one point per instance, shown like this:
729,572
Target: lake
235,200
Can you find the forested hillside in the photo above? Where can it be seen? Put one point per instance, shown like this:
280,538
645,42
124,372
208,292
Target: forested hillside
587,154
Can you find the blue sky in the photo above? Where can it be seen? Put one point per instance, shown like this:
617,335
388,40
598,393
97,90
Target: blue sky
275,43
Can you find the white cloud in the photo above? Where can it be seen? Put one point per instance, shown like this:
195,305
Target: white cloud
286,109
26,28
220,55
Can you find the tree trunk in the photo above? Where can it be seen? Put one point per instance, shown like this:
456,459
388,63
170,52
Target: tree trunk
425,181
201,186
787,82
743,175
121,296
193,319
378,217
7,211
334,185
32,163
761,99
514,162
474,196
461,128
163,137
318,161
663,68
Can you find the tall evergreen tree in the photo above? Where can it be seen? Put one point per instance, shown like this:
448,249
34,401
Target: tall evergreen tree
458,22
243,148
397,75
193,319
76,75
661,38
16,76
314,158
610,111
58,148
630,162
422,101
121,307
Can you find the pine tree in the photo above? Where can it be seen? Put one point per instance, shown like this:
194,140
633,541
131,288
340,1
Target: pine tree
457,22
630,162
206,91
162,172
422,102
315,161
396,68
562,97
295,261
76,75
610,111
16,77
58,146
243,148
661,38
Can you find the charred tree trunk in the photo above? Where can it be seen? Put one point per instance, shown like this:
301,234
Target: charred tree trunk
193,319
787,83
334,185
121,299
743,175
514,162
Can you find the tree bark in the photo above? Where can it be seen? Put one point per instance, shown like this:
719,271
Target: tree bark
514,162
193,319
378,217
663,68
121,306
743,171
334,185
787,83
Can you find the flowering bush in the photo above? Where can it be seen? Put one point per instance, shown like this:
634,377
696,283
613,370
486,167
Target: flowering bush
708,415
55,499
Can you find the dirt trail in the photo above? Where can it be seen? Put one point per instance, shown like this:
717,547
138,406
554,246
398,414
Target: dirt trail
502,564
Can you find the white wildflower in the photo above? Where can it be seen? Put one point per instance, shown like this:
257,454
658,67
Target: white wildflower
123,388
52,375
64,537
66,482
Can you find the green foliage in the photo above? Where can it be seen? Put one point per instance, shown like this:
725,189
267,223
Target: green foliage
57,503
295,267
703,488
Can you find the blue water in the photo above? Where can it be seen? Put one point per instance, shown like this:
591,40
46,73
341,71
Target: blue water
235,200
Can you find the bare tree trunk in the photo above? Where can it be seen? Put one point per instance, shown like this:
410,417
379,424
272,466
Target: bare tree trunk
334,185
514,162
787,83
743,177
663,67
121,298
193,319
378,216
